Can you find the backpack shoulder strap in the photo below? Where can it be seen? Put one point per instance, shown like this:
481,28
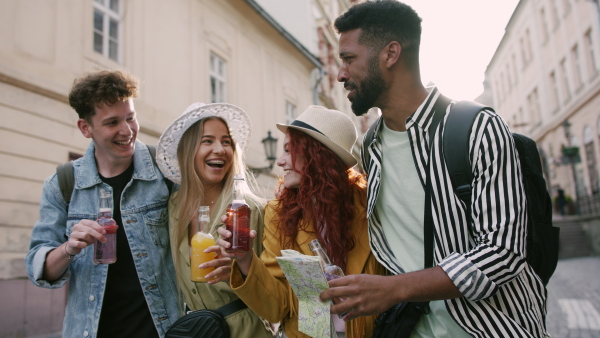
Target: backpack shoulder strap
66,180
152,150
456,146
367,139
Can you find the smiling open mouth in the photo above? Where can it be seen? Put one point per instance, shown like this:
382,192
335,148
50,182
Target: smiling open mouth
215,164
123,143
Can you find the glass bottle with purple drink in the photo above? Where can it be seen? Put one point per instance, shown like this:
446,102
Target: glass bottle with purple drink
106,253
331,271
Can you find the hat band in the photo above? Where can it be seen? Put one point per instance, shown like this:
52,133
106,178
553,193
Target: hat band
301,124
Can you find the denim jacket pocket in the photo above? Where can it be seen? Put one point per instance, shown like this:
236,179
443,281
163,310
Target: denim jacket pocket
157,222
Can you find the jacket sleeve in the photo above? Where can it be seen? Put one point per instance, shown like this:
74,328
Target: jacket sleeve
48,233
265,289
498,213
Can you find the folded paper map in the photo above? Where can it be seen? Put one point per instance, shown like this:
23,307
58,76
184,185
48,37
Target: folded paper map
306,277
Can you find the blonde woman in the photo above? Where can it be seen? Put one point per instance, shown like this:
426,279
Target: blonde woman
202,151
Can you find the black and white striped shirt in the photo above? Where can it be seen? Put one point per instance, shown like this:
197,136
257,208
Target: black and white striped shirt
503,297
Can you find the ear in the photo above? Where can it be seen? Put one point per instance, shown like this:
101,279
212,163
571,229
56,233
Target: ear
391,52
84,127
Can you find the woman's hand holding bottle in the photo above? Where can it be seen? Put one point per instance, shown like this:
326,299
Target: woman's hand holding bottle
243,259
221,264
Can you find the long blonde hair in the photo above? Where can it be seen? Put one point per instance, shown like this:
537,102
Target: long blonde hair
191,191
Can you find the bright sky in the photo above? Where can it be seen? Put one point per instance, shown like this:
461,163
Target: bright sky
458,41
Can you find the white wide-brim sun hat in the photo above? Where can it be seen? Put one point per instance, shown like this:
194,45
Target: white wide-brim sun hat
237,120
332,128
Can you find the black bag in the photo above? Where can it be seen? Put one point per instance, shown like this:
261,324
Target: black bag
399,320
542,237
205,323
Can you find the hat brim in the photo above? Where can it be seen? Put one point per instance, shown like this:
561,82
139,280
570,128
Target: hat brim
342,153
237,120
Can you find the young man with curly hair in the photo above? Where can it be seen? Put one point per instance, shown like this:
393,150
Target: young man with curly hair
480,284
136,296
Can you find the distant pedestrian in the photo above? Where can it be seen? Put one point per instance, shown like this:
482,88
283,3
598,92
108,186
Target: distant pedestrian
561,201
481,284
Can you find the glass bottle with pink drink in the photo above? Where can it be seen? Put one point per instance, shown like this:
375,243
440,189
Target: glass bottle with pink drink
106,253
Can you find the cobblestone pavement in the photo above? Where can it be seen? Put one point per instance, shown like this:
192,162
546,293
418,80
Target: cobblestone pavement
574,299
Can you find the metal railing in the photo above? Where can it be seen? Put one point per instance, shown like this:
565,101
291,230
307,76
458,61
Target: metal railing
589,205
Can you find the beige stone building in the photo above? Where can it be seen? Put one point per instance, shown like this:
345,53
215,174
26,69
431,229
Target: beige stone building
183,51
545,72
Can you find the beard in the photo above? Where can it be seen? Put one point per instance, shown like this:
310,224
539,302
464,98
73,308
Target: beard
371,88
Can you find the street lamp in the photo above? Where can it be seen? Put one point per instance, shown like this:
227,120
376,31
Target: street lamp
571,156
270,144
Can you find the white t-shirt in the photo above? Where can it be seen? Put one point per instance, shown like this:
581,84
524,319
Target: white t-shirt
401,207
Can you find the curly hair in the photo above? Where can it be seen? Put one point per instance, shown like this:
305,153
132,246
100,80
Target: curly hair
382,22
325,197
105,87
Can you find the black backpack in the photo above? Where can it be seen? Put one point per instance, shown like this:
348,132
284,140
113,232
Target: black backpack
66,178
542,237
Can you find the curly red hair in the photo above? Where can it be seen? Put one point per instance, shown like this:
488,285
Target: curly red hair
325,197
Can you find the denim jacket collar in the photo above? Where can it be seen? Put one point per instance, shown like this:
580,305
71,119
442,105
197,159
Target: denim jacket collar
88,176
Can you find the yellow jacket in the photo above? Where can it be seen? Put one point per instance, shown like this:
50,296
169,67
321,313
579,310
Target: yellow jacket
266,291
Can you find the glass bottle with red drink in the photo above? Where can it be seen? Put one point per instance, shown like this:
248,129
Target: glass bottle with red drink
238,219
106,253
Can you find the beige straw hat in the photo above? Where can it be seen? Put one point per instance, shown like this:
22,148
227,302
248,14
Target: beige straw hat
332,128
238,121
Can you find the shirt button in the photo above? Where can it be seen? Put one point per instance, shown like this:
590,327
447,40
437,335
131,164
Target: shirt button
92,298
85,333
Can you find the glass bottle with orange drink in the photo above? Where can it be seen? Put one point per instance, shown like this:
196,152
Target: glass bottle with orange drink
201,240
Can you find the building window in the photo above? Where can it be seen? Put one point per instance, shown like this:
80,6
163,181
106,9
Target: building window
525,44
290,112
218,79
576,67
590,156
566,89
554,88
533,108
509,80
107,28
514,65
566,6
593,68
544,24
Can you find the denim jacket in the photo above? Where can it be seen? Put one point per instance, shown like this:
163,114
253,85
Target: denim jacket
145,220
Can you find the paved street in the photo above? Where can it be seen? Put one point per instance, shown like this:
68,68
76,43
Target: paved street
574,299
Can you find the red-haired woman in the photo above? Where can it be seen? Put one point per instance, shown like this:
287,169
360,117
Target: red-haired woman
320,197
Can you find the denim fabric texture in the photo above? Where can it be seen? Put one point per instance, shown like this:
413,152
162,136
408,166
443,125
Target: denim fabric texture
145,220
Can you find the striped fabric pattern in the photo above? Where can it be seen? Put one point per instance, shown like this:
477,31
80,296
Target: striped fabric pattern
503,297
